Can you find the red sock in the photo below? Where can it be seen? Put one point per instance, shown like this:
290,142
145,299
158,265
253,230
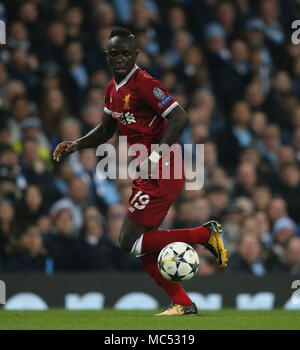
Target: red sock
155,240
173,289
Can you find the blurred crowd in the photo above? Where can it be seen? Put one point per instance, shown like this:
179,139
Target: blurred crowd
230,64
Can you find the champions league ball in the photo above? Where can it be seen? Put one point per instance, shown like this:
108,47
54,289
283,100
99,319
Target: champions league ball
178,262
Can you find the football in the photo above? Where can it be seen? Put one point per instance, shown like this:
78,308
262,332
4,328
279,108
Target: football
178,262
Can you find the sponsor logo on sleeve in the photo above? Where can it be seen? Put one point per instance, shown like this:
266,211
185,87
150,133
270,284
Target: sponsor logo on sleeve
165,101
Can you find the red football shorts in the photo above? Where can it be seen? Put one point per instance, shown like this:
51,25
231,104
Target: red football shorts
151,199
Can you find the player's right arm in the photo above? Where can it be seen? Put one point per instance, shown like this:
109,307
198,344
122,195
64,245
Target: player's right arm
97,136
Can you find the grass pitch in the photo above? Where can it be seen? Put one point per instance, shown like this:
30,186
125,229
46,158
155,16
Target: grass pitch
110,319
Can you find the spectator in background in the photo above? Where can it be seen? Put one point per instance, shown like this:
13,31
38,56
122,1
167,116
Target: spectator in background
277,209
277,104
18,36
35,171
269,12
60,243
32,206
255,36
73,20
285,155
226,16
219,199
247,258
184,214
8,224
70,129
52,49
215,40
270,144
283,230
64,173
289,188
236,70
103,15
258,125
296,142
235,136
246,180
254,95
4,135
207,266
76,201
201,211
53,111
210,156
89,256
32,129
10,167
30,16
27,253
246,206
23,67
261,196
232,218
95,55
241,119
12,89
292,256
91,116
74,76
181,41
19,110
49,80
219,177
3,80
263,228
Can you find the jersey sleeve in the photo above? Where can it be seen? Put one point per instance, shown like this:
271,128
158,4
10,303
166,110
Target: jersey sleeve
107,108
156,96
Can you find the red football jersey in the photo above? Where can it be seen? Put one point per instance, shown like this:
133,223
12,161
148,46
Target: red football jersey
140,103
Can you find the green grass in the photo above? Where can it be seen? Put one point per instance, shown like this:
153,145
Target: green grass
109,319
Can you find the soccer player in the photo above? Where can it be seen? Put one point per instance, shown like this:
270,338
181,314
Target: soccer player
147,114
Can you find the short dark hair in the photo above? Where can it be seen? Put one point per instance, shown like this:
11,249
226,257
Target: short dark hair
124,33
120,32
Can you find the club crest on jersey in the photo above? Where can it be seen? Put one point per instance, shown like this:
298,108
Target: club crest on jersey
158,93
126,102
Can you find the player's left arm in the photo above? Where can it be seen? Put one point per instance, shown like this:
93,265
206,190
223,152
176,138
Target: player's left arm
178,119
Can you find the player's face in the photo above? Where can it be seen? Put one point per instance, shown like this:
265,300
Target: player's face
120,56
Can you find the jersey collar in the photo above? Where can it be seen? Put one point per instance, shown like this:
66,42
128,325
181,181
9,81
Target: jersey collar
125,80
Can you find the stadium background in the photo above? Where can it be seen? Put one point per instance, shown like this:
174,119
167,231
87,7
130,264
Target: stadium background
230,64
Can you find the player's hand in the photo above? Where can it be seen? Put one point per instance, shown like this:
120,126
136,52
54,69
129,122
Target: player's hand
65,148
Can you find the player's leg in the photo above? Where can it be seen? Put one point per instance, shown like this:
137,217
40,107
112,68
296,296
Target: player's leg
140,239
130,233
208,234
